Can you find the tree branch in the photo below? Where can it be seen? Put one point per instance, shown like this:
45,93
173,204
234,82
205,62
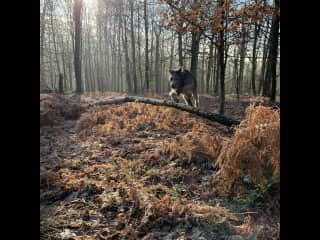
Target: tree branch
158,102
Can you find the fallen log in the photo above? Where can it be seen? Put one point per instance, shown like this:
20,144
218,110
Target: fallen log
159,102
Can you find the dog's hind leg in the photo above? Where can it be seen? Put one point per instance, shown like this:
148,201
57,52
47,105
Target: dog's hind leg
187,99
196,98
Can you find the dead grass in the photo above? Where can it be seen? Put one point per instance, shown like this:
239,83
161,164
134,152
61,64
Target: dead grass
253,151
131,118
48,179
197,149
136,169
56,107
208,214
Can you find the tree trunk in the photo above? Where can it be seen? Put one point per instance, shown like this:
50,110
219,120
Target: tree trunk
236,73
210,61
70,75
119,65
139,52
91,79
60,82
163,67
54,38
134,73
77,44
69,63
125,48
254,58
194,53
52,81
221,63
264,59
202,72
86,73
42,39
96,59
184,57
215,73
88,79
242,57
151,75
222,77
180,49
146,46
106,46
157,62
170,63
64,67
113,50
266,91
208,115
98,47
274,49
226,50
171,52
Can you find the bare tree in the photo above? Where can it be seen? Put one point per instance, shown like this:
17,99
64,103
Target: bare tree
242,50
180,49
210,62
158,30
55,45
133,49
42,40
77,44
254,58
146,46
273,51
236,73
139,51
264,59
125,47
221,61
195,43
120,47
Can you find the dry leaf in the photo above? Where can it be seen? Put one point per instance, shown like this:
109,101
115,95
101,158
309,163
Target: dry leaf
233,218
120,215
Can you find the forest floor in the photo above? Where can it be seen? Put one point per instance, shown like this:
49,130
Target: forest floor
137,171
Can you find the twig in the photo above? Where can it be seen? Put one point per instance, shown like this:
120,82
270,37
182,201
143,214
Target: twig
244,213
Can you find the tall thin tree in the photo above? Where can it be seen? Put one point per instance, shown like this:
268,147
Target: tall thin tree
146,46
133,49
77,44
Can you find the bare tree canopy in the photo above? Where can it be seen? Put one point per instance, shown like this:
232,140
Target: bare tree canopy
231,47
